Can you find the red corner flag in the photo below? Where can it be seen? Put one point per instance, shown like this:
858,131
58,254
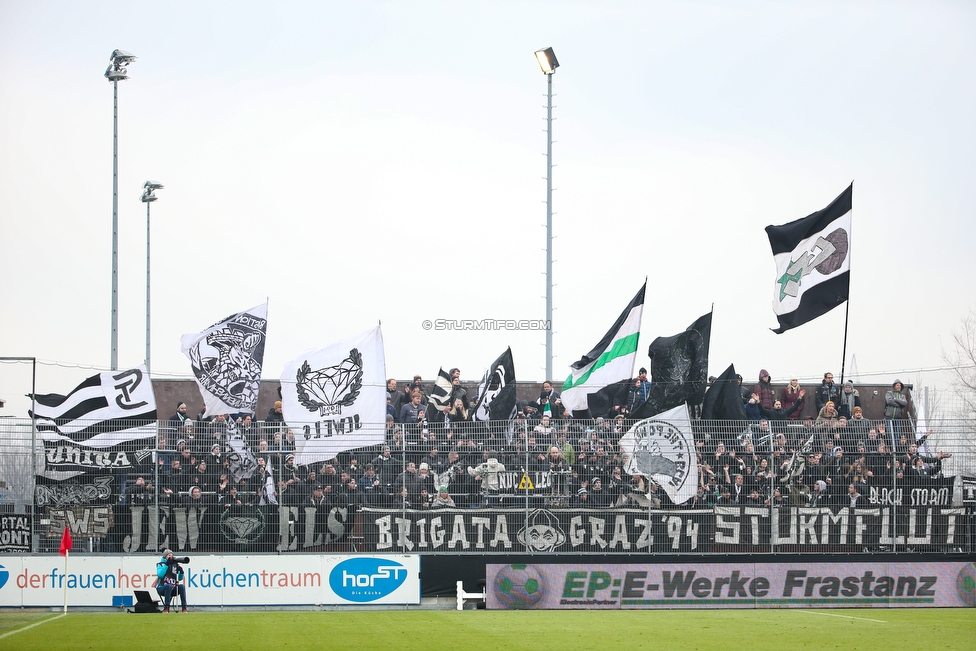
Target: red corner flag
65,542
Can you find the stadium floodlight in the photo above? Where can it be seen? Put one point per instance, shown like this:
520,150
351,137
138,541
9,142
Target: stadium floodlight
147,198
548,63
118,68
547,60
117,71
150,187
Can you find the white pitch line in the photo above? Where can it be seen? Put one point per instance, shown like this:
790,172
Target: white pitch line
20,630
864,619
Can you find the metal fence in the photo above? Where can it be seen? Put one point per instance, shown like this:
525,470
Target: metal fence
500,487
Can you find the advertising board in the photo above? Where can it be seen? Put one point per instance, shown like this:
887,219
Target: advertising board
231,580
734,585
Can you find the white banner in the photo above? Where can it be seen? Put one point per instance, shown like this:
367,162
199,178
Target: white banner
334,398
39,581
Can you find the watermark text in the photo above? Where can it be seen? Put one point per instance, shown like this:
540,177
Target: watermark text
486,324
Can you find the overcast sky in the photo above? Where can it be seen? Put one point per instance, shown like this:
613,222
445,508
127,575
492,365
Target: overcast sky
372,161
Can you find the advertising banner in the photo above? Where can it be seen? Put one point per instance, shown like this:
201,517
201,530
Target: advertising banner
238,580
733,585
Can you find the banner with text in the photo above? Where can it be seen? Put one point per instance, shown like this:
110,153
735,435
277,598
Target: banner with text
724,529
732,585
234,580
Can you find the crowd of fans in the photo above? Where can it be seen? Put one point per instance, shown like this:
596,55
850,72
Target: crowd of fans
436,457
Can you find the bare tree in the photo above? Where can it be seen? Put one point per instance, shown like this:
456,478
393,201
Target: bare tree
962,364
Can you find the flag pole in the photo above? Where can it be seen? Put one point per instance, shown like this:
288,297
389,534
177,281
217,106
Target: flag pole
66,552
847,312
847,308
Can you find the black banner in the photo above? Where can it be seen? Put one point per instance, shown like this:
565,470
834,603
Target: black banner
540,530
264,529
754,529
724,530
929,491
64,459
83,521
85,490
15,533
518,482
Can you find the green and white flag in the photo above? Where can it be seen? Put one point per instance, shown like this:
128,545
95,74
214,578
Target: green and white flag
610,361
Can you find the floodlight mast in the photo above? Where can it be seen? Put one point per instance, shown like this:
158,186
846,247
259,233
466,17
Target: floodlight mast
548,63
117,71
147,198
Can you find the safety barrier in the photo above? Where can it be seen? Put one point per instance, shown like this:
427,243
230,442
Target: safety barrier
499,487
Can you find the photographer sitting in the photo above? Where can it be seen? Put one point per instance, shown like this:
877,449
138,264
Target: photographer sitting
169,579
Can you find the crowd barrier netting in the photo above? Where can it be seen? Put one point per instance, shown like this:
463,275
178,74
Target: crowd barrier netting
496,487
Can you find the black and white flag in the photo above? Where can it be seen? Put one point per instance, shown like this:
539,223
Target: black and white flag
97,427
226,359
813,263
334,398
443,387
240,457
105,410
496,393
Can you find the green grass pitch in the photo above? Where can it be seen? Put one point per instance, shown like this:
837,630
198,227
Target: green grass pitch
404,630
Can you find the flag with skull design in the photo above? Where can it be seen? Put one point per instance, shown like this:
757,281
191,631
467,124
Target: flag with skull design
226,359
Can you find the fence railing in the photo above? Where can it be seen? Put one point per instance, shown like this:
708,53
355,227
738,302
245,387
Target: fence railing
498,487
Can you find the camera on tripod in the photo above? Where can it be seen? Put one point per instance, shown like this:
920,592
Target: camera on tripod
177,561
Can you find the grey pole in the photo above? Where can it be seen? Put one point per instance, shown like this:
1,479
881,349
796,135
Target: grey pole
117,70
148,268
115,228
548,64
549,229
148,197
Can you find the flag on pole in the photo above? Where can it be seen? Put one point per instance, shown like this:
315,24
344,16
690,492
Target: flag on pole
663,448
106,409
443,387
679,368
108,413
66,542
226,359
610,360
334,398
813,263
496,393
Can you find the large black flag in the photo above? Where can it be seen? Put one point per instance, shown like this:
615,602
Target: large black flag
496,393
723,400
679,368
601,403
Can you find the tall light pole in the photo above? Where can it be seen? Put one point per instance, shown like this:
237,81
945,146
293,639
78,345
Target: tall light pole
147,198
548,63
117,71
